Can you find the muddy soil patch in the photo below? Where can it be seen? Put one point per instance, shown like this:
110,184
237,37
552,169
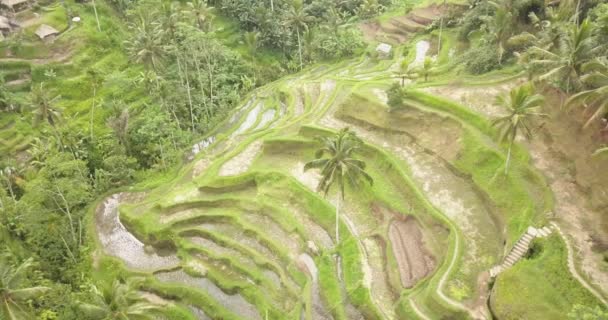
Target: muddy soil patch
241,162
117,241
414,260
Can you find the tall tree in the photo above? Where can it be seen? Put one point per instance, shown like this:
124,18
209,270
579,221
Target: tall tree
146,43
523,104
44,106
14,293
298,19
500,26
201,12
595,78
251,41
575,49
339,166
119,302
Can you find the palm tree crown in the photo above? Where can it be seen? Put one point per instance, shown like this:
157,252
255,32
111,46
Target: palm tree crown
44,104
298,19
574,50
522,105
340,166
119,302
13,295
596,78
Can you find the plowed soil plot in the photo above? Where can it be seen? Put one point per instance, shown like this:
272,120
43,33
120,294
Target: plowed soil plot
413,259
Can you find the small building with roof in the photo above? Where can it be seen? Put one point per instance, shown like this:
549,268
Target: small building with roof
384,50
14,5
46,32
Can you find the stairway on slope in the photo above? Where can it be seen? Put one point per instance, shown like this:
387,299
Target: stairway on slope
520,248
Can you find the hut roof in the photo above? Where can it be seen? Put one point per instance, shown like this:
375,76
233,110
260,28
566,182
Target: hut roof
384,48
45,30
12,3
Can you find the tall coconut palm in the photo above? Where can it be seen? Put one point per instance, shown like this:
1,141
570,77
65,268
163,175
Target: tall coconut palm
14,295
201,12
146,43
251,41
426,68
340,166
575,49
596,77
523,105
500,27
119,302
11,176
44,106
299,20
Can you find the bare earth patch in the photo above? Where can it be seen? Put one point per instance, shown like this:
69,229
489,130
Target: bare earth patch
412,257
241,162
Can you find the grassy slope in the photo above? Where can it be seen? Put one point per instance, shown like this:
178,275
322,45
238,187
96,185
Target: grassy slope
539,288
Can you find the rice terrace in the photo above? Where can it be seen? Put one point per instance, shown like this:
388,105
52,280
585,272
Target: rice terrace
304,159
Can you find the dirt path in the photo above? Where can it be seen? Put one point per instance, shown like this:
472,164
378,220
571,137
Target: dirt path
572,268
60,57
572,211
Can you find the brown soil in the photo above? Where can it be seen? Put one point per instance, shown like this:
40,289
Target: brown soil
562,151
412,257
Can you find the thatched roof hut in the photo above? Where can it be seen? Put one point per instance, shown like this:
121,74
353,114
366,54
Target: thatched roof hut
45,31
14,4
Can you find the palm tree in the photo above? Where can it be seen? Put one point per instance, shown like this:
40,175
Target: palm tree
11,175
170,17
426,68
298,19
500,27
340,166
574,50
119,123
201,12
146,44
522,104
251,41
13,293
44,106
596,77
119,302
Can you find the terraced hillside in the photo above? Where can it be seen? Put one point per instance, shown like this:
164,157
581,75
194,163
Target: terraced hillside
242,234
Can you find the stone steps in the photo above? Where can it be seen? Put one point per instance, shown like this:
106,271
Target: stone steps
520,248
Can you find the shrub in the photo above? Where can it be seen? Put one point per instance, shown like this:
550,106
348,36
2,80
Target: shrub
396,94
481,59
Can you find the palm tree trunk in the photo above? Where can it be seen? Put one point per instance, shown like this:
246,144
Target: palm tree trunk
92,113
508,156
189,96
96,16
338,222
10,189
299,47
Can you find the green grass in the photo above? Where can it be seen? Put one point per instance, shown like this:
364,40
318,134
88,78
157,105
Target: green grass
540,288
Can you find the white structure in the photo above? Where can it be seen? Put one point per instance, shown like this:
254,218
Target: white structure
384,50
15,5
45,32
